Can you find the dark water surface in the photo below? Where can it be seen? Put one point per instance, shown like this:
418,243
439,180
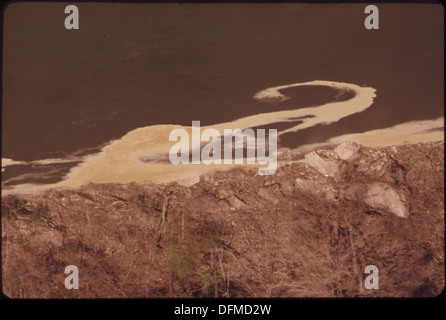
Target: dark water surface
134,65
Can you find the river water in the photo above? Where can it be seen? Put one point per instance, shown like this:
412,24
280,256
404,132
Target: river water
69,93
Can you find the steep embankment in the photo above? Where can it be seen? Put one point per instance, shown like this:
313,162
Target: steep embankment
307,231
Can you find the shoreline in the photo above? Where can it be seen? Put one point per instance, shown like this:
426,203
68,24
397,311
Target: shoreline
190,175
338,203
138,155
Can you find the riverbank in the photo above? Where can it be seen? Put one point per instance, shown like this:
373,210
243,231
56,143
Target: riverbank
307,231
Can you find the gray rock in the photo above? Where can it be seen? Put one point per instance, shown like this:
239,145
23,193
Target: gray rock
235,202
348,150
324,189
304,185
381,196
328,167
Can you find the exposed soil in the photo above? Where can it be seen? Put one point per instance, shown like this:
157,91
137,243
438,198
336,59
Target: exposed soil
297,233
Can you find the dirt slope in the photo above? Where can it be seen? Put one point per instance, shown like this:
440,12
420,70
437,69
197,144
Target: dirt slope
297,233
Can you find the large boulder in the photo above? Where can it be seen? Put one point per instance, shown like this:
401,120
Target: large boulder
327,166
381,196
313,187
348,150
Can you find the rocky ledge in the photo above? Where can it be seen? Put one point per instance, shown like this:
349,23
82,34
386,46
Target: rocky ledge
309,230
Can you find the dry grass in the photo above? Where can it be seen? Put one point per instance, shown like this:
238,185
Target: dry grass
234,234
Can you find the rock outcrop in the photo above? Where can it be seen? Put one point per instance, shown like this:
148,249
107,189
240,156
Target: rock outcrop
381,196
309,230
348,150
353,175
326,166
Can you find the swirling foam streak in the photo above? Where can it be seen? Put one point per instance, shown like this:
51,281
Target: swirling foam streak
121,160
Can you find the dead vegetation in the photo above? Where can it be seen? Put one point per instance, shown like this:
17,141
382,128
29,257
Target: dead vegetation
235,234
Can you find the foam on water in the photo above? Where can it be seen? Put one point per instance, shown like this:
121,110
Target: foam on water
10,162
125,160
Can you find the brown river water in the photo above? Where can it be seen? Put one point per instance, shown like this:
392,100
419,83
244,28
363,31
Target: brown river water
84,105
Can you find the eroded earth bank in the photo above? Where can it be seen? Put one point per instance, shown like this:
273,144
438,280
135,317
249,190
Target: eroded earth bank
309,230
